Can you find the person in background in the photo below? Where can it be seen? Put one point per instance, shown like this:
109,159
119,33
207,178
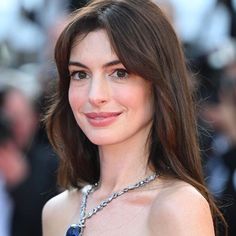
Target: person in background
29,196
13,169
221,163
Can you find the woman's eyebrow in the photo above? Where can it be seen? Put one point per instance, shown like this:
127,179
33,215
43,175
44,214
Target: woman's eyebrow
112,63
76,63
79,64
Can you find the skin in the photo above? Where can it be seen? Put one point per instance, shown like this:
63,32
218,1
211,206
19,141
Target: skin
13,166
20,112
163,207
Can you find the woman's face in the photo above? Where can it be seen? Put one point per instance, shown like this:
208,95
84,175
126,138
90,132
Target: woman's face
110,105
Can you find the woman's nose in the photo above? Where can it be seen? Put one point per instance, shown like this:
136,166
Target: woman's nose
98,91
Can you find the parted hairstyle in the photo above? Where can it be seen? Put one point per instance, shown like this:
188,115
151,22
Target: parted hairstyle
146,45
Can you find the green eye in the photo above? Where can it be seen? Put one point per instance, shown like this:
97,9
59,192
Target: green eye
120,74
82,75
79,75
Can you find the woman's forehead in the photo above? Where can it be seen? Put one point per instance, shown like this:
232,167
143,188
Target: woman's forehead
95,46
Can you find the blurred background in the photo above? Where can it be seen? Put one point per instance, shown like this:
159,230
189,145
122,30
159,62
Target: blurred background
28,165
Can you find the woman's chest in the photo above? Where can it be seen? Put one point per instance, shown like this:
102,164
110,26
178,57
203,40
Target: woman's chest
121,218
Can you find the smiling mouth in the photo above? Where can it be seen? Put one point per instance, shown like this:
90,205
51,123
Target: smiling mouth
102,119
102,115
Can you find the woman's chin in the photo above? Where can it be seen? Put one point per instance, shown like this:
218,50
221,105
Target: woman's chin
101,141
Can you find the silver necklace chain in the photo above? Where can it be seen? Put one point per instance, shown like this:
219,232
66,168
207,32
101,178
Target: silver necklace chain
91,188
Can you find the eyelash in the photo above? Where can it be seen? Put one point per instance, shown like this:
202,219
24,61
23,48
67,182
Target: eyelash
119,70
74,73
112,75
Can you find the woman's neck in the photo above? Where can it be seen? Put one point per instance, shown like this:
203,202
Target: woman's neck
123,164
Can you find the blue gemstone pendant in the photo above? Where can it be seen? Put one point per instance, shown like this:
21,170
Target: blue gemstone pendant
74,230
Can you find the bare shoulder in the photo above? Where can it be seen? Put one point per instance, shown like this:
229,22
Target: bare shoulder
57,203
59,212
180,209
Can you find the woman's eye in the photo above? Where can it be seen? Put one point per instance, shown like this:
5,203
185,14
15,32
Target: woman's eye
78,75
120,74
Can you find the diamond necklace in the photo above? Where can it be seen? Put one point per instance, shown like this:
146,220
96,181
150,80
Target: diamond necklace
77,229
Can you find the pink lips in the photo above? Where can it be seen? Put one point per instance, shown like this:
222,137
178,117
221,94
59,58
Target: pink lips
101,119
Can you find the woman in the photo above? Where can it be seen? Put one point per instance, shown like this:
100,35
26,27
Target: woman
123,122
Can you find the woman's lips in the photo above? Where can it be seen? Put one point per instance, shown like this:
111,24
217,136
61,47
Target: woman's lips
101,119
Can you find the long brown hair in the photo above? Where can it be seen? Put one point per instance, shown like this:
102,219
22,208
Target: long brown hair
147,45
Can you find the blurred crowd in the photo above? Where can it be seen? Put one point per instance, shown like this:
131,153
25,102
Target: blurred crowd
28,165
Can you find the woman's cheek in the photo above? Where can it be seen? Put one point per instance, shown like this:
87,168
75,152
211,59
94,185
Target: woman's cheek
76,97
